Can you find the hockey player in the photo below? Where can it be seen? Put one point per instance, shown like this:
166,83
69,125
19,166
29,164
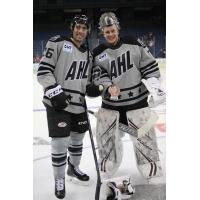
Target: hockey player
63,73
121,65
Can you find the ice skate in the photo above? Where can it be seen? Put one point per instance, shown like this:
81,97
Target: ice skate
75,175
60,188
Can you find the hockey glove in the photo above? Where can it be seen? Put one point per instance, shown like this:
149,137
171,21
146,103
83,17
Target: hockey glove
127,189
57,97
157,96
115,193
93,90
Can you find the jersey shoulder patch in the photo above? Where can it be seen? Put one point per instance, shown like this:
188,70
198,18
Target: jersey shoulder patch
58,38
131,40
99,49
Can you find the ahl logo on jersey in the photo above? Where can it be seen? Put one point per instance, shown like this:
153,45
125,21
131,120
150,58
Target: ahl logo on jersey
67,48
102,57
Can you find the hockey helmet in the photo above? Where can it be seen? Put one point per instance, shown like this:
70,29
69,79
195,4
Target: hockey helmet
80,19
108,19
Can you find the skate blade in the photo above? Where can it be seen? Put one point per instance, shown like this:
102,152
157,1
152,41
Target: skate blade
56,198
76,181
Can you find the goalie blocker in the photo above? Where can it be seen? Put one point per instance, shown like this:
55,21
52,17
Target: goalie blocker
157,96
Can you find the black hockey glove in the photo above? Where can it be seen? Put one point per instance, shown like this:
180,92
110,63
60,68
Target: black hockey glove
93,90
57,97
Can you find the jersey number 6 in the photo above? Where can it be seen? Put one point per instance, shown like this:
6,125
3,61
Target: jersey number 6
49,53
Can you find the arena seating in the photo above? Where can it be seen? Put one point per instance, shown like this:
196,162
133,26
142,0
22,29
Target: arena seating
40,39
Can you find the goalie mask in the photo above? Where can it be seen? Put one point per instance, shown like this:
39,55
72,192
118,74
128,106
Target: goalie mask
80,19
108,19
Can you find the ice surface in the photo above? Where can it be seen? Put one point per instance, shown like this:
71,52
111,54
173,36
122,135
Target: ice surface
43,173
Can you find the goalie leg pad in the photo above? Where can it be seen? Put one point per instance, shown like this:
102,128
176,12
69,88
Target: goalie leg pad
109,141
146,149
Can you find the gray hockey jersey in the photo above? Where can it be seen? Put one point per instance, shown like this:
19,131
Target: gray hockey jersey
124,65
65,64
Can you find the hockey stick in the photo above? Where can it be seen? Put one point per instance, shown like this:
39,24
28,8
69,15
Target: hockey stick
98,185
133,131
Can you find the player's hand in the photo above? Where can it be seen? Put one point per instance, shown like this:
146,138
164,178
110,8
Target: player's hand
114,91
57,97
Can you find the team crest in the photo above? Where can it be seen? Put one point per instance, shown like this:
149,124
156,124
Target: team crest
67,47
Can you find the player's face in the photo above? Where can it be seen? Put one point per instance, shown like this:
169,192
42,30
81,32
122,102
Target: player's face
111,34
80,32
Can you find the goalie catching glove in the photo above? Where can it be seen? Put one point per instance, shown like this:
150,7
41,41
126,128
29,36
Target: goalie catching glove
120,192
157,95
57,97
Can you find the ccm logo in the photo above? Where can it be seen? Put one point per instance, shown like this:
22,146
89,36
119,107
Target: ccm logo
82,123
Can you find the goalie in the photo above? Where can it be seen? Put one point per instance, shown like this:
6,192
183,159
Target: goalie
127,73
